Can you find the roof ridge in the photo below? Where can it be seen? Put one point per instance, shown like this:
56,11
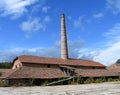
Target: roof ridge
38,56
58,61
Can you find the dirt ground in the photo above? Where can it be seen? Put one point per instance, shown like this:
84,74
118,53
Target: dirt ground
112,88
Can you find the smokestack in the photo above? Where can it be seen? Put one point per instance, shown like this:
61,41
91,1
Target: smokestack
64,48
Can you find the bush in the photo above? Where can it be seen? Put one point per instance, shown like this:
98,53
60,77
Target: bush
30,82
73,83
0,74
19,83
115,79
45,83
3,83
110,79
103,79
79,80
98,80
89,80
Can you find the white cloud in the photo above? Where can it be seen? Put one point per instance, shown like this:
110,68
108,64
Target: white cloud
111,51
109,55
114,6
74,47
45,9
47,19
114,32
106,56
54,51
34,25
98,15
15,8
79,23
9,55
69,17
85,54
95,17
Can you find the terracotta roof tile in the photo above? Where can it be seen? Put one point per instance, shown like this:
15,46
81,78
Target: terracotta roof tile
5,73
37,72
114,67
95,72
58,61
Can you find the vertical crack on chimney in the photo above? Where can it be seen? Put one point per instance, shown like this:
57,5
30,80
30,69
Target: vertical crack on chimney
64,48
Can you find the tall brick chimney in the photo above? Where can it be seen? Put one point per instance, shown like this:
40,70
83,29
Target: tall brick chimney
64,48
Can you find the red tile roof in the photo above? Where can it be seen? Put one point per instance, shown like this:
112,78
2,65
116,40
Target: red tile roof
95,72
5,73
58,61
114,67
37,72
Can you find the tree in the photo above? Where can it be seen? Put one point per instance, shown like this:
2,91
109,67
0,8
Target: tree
5,65
118,61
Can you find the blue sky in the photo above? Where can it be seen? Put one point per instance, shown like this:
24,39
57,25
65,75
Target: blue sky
33,27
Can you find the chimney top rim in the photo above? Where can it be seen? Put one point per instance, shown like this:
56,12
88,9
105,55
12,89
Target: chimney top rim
62,14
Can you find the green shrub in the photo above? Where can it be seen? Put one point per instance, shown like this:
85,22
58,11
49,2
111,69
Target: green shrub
89,80
45,83
79,80
31,82
3,83
110,79
73,83
103,79
98,80
115,79
19,83
0,74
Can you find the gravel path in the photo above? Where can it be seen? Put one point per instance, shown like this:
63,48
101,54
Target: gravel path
112,88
